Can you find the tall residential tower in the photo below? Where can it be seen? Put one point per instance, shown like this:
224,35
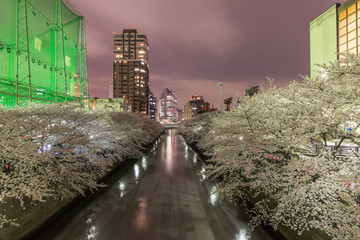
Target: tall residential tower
131,69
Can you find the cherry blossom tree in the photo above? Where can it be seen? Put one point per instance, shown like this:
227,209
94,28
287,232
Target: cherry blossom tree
264,152
57,151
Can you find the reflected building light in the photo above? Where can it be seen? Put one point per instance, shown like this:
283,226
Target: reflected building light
122,189
213,196
203,176
91,234
242,235
144,163
136,172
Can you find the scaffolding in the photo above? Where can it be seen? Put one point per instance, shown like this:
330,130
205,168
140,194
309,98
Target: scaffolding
42,53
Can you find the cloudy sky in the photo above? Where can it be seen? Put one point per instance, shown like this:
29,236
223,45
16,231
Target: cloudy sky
196,43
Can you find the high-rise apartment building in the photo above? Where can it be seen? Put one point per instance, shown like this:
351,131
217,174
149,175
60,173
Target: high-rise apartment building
152,106
168,106
337,30
131,69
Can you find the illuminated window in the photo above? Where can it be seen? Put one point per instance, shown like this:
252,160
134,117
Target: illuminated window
352,44
343,48
351,9
351,26
342,31
351,18
351,35
342,15
342,23
353,50
343,40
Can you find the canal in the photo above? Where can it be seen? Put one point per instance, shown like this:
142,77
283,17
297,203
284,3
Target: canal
164,195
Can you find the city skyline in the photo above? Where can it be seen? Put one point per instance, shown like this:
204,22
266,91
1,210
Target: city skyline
239,44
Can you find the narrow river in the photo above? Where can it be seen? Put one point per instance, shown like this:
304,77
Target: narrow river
163,196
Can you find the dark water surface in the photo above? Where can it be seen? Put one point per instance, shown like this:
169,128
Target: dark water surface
163,196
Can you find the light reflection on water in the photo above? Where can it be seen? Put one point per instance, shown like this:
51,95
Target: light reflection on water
141,216
169,153
144,163
203,176
122,189
242,235
213,196
136,172
195,158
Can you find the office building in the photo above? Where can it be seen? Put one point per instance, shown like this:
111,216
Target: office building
334,31
131,69
188,113
198,104
152,106
168,107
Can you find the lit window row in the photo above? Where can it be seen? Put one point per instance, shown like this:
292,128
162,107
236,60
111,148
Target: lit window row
349,35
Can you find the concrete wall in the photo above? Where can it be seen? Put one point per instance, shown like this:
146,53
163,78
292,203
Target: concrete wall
323,39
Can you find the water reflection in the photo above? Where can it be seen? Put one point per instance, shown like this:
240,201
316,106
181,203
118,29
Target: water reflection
91,233
242,235
136,172
195,158
141,218
203,176
144,163
186,153
122,189
213,196
169,152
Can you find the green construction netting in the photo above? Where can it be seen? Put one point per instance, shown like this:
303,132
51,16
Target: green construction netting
54,51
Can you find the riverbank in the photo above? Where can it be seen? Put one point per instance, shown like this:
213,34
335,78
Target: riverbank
66,156
37,216
282,232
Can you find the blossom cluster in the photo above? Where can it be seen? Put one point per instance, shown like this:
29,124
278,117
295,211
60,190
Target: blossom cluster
57,151
281,151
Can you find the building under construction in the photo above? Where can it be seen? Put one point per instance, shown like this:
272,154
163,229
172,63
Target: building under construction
42,53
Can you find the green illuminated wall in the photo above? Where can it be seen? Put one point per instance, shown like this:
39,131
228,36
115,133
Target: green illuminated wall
42,53
323,39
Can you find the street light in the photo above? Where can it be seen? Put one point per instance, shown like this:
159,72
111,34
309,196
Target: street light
220,84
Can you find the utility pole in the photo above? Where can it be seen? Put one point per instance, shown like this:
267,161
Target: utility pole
220,84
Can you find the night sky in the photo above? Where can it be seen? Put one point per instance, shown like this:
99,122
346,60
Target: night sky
196,43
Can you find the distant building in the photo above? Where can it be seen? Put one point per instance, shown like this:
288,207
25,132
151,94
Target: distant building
180,115
188,113
117,104
131,69
198,104
111,90
168,107
152,106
